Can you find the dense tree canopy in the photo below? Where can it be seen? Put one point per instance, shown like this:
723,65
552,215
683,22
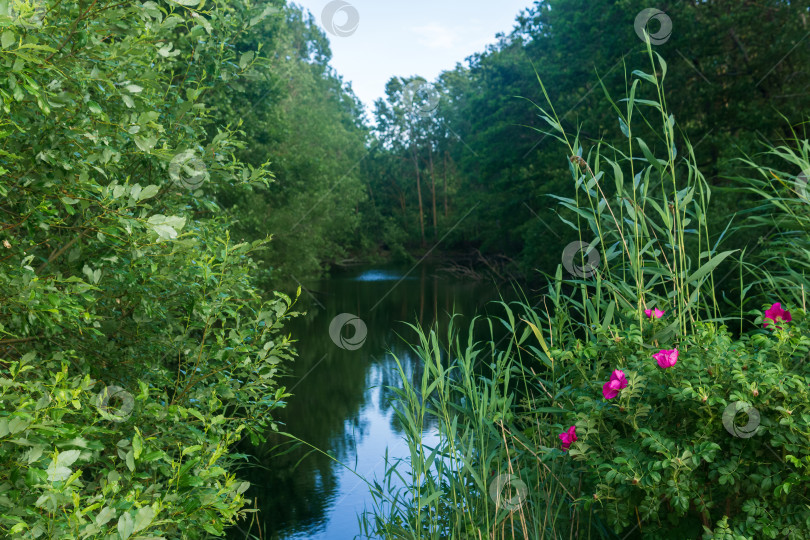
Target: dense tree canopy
734,68
297,114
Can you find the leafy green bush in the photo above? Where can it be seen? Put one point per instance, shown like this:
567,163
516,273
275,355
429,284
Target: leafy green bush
134,347
665,456
73,469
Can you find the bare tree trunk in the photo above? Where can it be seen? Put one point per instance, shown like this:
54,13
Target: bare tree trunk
418,189
400,195
433,192
445,183
371,196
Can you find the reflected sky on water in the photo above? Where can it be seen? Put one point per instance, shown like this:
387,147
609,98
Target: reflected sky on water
342,400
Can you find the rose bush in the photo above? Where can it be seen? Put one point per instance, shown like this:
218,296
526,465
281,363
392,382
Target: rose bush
668,455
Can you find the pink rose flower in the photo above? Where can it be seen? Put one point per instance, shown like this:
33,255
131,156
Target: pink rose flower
653,313
666,358
567,437
617,381
776,313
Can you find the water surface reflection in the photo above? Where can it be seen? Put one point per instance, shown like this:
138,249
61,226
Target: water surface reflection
342,400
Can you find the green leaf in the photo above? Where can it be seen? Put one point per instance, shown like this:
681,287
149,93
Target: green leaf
539,335
137,445
645,76
658,164
166,227
18,424
704,270
7,39
267,11
624,127
145,144
125,526
105,515
57,473
608,315
242,487
34,454
165,231
148,192
191,449
246,59
143,518
653,104
95,108
68,457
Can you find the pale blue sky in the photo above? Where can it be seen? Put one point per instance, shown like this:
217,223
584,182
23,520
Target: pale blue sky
410,37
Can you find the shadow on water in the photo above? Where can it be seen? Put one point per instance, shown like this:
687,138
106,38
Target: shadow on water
342,403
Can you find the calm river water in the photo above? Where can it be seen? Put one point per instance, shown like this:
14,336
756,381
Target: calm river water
341,403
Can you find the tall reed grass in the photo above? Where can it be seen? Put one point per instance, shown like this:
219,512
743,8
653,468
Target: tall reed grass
645,206
486,472
777,222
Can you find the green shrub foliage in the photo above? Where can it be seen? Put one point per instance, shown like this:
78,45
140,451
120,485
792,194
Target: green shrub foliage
134,349
721,436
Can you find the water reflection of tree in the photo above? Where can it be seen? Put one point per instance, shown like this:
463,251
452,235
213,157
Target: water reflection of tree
331,386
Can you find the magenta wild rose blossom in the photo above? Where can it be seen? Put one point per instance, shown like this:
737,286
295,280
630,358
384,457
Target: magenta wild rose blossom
653,313
775,313
567,437
666,358
617,381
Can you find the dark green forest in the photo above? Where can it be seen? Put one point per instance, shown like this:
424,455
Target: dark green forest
171,171
465,159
